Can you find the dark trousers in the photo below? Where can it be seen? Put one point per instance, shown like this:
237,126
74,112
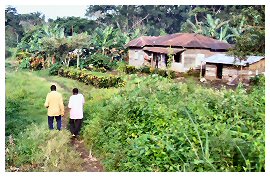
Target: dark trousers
75,126
58,121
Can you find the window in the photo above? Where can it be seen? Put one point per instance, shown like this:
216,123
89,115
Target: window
178,58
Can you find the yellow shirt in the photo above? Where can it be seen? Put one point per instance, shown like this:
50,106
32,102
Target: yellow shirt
54,103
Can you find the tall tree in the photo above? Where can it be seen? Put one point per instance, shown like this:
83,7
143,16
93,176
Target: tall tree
77,25
13,29
128,18
252,40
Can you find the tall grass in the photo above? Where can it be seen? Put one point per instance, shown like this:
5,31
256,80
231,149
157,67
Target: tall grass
30,146
155,125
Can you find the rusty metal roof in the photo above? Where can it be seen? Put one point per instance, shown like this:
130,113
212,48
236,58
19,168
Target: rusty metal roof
163,50
187,40
142,41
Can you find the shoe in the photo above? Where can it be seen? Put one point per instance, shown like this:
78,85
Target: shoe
73,135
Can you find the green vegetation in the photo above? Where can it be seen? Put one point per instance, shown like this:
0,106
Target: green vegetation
149,125
30,146
155,125
132,123
100,80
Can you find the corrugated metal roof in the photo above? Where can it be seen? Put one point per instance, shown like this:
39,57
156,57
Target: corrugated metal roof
224,59
162,50
142,41
187,40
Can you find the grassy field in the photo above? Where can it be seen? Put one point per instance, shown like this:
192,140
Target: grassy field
30,146
150,124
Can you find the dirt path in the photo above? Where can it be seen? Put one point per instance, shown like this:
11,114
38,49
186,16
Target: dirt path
91,164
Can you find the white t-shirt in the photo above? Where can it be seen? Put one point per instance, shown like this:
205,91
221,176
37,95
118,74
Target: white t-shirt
76,105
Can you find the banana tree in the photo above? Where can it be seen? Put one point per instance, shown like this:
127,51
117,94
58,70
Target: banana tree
60,47
215,27
195,27
104,39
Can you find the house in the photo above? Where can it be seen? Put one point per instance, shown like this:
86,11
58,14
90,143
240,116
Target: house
188,50
221,66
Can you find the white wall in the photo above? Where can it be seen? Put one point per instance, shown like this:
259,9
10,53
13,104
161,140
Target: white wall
136,57
178,67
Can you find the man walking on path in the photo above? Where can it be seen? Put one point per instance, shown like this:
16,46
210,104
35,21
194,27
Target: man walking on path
76,102
55,105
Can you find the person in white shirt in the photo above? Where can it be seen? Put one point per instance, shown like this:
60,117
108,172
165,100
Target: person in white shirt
76,102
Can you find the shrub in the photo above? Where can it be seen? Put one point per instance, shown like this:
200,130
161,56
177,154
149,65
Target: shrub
155,125
121,67
171,74
22,55
8,53
193,72
55,68
25,63
91,79
100,60
145,69
101,69
130,69
258,80
162,72
153,70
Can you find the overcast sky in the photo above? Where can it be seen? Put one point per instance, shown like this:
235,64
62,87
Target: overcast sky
53,11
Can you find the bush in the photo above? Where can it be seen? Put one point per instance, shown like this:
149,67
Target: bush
171,74
121,67
153,70
193,72
25,63
258,80
8,53
162,72
155,125
100,60
55,68
91,79
145,69
22,55
130,69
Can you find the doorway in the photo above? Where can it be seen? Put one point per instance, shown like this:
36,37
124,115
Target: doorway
219,70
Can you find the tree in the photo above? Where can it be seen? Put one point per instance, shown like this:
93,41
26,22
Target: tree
252,40
219,22
13,29
155,19
104,38
17,25
60,46
75,25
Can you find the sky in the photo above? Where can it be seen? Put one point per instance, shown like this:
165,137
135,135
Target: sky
53,11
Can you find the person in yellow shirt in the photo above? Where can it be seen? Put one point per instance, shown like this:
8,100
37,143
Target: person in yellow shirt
55,105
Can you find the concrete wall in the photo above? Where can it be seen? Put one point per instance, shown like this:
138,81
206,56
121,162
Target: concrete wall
206,52
229,71
136,57
260,66
178,67
192,58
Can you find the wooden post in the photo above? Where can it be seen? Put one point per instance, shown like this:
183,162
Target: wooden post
78,60
201,71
